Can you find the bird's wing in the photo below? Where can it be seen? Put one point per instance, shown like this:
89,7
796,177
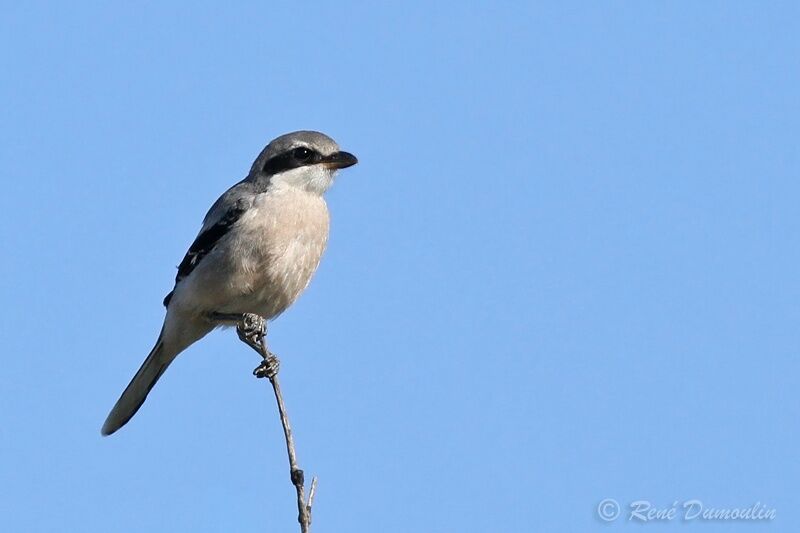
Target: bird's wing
219,220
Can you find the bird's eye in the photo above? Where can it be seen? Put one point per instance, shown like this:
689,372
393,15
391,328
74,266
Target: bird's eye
302,154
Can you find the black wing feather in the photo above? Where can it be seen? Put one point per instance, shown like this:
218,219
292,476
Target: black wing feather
205,242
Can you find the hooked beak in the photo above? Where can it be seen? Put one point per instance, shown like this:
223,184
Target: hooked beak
340,160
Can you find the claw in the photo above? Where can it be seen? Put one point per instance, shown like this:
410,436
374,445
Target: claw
251,330
269,367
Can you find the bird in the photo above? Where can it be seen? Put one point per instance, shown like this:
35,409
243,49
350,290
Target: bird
258,247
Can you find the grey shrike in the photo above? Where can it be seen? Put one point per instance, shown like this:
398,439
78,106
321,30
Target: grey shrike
259,245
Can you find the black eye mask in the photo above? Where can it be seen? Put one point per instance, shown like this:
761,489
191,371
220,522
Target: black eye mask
295,158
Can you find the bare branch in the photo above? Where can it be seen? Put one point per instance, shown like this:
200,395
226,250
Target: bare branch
296,474
311,493
269,369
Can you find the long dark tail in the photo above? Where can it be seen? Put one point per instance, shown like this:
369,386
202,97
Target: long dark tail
136,392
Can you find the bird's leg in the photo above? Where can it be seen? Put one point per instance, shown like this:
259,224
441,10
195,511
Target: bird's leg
252,330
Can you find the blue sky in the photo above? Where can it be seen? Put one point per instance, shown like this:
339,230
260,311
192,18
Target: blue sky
565,269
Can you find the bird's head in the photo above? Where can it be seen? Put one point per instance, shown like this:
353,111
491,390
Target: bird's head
305,159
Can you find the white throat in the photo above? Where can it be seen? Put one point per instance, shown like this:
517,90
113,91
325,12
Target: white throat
315,179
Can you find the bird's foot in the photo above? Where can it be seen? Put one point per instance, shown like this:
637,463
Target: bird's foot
252,330
269,366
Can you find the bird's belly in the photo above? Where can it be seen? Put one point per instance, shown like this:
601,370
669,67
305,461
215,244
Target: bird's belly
266,261
283,275
281,251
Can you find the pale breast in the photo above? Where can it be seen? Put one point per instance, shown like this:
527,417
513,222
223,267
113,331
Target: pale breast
282,247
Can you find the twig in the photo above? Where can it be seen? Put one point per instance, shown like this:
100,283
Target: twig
297,476
311,493
269,369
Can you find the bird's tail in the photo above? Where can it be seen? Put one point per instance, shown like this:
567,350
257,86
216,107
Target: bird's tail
136,392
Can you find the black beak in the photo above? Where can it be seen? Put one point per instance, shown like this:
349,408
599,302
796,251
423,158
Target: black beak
340,160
